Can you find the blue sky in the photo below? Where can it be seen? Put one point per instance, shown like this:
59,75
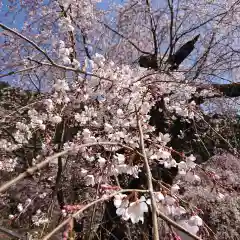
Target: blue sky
16,18
105,3
19,18
8,18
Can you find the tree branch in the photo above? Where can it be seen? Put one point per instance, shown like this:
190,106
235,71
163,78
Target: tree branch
102,199
12,234
150,185
229,90
153,28
58,191
28,40
223,14
171,28
70,69
76,214
119,34
19,71
42,164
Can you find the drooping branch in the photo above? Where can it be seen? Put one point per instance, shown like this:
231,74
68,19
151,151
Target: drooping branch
49,159
76,214
102,199
149,182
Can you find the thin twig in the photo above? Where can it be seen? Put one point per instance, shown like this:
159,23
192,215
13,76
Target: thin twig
121,35
77,70
2,120
86,207
19,71
207,21
150,185
229,144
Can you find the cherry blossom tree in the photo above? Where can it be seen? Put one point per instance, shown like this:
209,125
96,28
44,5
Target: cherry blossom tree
92,126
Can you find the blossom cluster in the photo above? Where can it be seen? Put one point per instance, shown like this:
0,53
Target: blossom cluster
112,118
40,218
114,168
134,210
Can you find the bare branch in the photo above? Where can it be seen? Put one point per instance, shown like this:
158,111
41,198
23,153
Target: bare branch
52,63
153,28
170,5
223,14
